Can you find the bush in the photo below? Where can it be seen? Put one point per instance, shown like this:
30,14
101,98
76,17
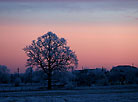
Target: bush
17,82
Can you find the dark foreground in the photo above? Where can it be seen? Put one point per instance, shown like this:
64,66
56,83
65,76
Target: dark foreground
83,94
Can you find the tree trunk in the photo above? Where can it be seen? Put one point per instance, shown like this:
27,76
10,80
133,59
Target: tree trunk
49,82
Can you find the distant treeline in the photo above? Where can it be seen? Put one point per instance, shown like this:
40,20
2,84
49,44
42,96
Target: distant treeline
119,75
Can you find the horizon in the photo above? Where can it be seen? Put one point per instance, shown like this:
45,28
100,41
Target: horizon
102,33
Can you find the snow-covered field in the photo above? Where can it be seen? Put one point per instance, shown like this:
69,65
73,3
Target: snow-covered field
93,94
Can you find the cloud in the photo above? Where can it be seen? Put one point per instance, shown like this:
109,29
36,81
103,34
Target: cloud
136,18
51,0
65,0
67,12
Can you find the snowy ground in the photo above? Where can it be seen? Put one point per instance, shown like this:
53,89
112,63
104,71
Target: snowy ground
93,94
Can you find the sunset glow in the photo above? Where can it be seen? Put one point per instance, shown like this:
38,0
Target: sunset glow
102,33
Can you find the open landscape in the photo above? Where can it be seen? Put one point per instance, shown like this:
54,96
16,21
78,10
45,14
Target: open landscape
116,93
68,50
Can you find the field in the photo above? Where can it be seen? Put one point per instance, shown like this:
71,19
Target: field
128,93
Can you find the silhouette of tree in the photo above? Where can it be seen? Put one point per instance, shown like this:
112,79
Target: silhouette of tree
4,74
50,53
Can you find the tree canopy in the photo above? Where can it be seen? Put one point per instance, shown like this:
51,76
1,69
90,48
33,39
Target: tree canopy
49,52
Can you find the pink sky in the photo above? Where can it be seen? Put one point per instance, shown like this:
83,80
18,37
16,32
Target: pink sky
101,35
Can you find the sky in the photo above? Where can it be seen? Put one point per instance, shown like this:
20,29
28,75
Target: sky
103,33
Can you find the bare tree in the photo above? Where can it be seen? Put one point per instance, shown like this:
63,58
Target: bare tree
50,53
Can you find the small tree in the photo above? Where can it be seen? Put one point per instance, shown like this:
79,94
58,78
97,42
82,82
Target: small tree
50,53
28,75
4,74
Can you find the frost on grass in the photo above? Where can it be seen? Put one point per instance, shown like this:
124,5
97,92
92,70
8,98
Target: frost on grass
120,97
96,94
